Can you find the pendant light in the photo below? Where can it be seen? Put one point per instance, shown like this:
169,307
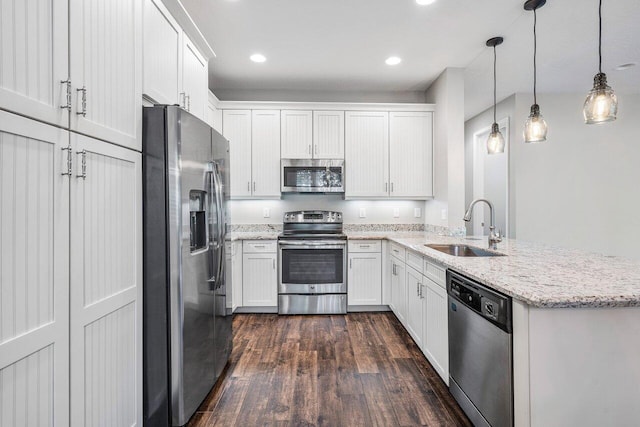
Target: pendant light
535,128
495,142
601,105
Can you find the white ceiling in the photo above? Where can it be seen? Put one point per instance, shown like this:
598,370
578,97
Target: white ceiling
340,45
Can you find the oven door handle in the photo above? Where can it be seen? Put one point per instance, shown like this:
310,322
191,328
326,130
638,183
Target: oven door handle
314,244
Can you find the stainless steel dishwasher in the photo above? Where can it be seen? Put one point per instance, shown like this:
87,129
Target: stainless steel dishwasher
480,351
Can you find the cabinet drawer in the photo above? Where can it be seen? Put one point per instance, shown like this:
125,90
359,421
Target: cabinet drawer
365,246
436,273
259,246
415,260
397,251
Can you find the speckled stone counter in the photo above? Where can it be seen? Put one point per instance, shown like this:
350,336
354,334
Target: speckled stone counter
539,275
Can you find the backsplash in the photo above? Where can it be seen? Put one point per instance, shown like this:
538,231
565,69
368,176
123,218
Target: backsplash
435,229
382,227
255,228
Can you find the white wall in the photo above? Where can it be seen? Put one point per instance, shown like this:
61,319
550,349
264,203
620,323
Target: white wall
378,211
447,207
505,109
581,188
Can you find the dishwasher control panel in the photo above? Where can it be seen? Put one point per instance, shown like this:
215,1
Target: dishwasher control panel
484,301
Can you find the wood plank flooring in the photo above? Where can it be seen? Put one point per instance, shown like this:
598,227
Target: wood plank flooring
359,369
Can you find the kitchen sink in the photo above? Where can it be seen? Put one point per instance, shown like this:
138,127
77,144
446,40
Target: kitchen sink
463,250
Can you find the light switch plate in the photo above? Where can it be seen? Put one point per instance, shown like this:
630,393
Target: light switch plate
417,212
396,212
363,213
266,213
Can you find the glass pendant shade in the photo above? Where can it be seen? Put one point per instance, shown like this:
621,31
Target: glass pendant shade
535,128
601,105
495,142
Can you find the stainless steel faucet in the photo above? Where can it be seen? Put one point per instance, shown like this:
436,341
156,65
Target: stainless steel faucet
494,237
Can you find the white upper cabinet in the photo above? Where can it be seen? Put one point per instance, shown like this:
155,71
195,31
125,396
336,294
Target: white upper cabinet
236,126
367,154
265,153
410,155
328,134
34,59
296,140
106,69
162,49
195,92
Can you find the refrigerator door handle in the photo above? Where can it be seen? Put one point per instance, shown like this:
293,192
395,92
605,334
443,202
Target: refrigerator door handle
220,231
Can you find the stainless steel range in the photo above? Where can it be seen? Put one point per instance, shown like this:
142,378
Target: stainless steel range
313,259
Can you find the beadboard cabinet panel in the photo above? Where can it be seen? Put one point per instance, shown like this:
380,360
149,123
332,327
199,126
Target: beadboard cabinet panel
297,134
365,279
34,57
411,155
259,280
367,154
265,153
194,80
106,285
34,284
414,305
106,70
436,327
236,126
328,134
162,49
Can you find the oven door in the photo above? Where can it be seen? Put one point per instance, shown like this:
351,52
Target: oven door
312,267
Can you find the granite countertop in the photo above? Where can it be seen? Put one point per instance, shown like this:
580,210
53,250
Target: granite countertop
539,275
536,274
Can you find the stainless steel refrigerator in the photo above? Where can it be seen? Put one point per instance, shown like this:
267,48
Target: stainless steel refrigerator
187,326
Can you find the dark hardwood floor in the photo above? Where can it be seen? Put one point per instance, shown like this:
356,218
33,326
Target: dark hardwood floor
360,369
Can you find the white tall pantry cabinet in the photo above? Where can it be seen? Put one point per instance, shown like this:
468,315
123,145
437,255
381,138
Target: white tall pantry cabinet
70,213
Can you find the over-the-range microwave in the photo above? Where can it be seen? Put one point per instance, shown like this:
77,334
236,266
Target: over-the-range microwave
312,176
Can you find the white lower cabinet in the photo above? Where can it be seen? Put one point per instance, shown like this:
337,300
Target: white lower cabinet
364,280
259,274
415,308
34,284
399,290
71,283
435,343
106,284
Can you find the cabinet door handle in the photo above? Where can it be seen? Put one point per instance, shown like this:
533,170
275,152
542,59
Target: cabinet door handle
83,164
69,161
386,187
351,263
83,99
417,289
248,186
274,264
365,246
392,187
309,148
67,106
254,186
183,102
188,100
315,149
421,291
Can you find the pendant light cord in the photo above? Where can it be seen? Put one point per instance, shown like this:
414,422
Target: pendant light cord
600,37
535,50
494,84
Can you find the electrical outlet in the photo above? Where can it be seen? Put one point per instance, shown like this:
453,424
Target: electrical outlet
417,212
266,213
396,212
363,213
443,214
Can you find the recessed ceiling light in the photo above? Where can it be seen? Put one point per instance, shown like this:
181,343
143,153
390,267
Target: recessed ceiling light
625,66
257,57
425,2
393,60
